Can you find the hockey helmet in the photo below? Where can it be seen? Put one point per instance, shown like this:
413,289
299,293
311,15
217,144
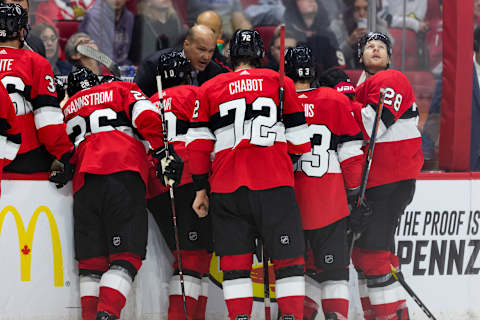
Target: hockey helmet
337,79
109,78
246,43
60,88
174,68
13,18
80,79
373,36
299,63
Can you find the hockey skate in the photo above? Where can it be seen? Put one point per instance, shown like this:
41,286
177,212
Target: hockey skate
105,316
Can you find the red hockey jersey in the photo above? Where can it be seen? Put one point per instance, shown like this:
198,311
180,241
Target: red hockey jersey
397,155
108,124
28,78
238,119
336,159
10,136
179,103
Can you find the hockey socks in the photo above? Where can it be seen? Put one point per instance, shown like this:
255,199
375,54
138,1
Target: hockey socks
117,282
237,285
201,307
90,271
194,264
290,286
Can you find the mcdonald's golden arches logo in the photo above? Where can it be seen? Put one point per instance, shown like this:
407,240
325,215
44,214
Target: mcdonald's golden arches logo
25,242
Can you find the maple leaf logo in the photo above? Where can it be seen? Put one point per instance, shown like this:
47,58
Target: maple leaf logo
26,250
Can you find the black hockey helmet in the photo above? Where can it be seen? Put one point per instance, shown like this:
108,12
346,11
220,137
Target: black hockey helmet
80,79
60,88
246,44
374,36
174,68
13,18
109,78
337,79
299,63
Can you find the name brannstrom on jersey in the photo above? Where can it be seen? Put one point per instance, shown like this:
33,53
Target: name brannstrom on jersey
94,98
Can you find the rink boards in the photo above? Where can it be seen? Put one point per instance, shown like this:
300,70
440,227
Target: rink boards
438,243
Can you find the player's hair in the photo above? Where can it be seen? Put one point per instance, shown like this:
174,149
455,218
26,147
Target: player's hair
246,47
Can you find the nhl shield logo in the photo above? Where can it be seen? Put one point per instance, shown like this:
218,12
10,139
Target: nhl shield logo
193,236
329,258
285,240
242,317
116,241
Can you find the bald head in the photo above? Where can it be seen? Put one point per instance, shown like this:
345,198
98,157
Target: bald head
199,46
212,20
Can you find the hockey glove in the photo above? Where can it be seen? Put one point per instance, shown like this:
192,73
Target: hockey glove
360,217
169,169
62,170
352,197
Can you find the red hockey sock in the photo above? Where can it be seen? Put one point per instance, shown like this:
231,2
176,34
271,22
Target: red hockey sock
368,312
237,284
290,286
337,306
391,310
111,301
175,307
310,308
89,307
201,308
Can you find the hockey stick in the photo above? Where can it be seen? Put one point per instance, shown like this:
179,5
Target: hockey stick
100,57
281,89
368,161
266,284
172,197
398,275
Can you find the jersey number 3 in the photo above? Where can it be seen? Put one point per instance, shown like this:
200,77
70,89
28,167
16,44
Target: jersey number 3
315,163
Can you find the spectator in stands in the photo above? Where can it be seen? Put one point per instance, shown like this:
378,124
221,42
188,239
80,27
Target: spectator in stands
230,12
392,12
49,36
77,59
266,13
350,27
333,8
62,10
157,26
431,129
198,47
308,22
110,24
273,52
212,20
306,18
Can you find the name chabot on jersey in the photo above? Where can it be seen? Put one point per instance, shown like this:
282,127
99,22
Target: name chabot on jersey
94,98
245,85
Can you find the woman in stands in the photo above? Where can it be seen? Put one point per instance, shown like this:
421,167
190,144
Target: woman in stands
49,36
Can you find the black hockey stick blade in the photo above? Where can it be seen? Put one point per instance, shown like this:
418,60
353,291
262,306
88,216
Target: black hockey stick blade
399,277
100,57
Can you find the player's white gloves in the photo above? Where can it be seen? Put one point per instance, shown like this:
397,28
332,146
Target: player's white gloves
169,168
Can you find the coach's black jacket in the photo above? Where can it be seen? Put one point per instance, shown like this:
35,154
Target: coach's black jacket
147,70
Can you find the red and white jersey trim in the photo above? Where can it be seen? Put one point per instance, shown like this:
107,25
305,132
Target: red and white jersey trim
349,150
46,116
141,106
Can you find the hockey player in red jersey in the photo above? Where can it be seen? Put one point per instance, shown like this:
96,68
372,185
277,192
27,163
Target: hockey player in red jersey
28,78
321,177
195,236
107,123
391,183
238,119
10,136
